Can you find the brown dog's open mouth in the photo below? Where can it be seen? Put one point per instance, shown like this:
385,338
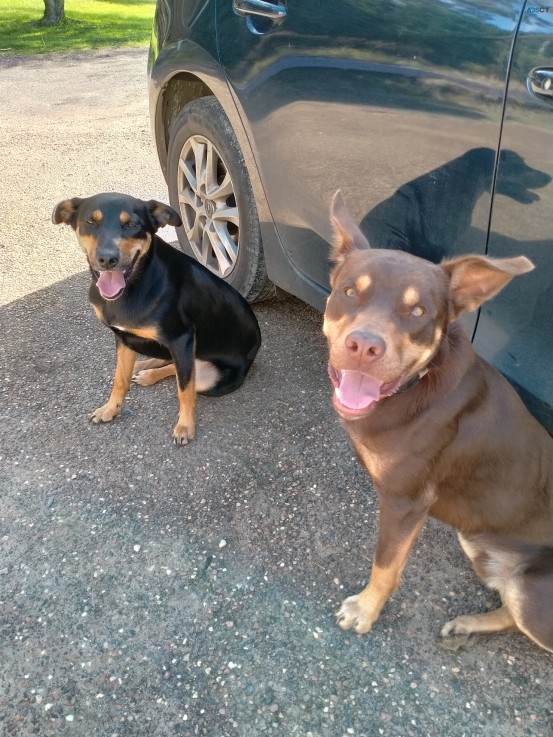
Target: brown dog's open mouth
111,284
355,393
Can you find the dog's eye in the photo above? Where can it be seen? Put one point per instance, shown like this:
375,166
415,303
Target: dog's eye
129,225
349,292
418,311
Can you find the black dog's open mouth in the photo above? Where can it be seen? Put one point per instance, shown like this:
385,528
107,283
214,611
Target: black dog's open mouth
111,284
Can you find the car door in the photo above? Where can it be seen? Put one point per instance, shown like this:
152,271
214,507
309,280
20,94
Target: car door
515,330
397,104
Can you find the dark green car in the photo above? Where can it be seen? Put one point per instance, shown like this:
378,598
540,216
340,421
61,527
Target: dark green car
434,118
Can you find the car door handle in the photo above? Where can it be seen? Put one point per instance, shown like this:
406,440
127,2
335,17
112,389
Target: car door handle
275,11
540,84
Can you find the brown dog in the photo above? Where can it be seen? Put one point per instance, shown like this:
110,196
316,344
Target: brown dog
439,430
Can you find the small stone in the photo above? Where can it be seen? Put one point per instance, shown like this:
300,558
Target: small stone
3,571
69,718
136,548
222,544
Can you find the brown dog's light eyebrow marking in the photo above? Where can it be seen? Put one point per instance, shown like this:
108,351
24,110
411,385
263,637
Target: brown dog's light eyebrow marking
411,296
124,218
363,282
97,216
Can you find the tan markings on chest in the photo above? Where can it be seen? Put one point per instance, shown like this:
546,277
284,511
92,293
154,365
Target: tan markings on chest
150,332
99,313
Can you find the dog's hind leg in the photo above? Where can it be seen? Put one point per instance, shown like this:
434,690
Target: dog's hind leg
499,620
523,576
150,363
149,376
529,595
156,369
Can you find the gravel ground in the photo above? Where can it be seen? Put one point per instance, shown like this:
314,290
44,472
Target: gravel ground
151,590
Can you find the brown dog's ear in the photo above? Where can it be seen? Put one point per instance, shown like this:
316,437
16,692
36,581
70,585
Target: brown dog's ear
475,279
347,235
162,215
66,212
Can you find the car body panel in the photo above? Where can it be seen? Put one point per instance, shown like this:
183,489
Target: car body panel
401,106
515,330
378,91
172,59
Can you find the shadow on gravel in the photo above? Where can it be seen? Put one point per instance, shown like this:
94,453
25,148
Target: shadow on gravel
153,590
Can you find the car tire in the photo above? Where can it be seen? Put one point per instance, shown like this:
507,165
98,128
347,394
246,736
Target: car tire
220,223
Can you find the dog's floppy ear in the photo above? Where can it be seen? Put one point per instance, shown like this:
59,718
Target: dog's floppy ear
162,215
347,236
475,279
66,212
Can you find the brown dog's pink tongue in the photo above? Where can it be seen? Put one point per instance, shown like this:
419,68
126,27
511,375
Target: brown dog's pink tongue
110,283
357,390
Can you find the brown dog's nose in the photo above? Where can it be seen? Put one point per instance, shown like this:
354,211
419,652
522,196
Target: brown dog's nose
365,346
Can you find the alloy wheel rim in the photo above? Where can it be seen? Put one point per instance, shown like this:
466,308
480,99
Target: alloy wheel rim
207,202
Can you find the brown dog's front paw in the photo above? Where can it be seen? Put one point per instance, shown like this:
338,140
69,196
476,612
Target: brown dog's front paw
182,434
352,615
106,413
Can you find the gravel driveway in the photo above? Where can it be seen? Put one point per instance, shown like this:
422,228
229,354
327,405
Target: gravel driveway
151,590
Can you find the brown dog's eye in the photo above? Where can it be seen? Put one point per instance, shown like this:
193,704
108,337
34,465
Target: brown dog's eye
349,292
418,311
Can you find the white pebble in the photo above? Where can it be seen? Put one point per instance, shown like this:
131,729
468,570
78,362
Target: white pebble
136,548
222,543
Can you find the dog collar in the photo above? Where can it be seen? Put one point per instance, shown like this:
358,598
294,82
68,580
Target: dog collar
413,381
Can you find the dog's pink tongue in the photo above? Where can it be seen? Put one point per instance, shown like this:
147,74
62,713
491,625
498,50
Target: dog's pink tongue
110,283
357,390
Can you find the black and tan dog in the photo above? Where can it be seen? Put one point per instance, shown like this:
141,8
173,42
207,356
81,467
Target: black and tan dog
439,430
160,303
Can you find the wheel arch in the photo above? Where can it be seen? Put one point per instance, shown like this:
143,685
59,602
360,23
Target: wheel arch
183,73
181,89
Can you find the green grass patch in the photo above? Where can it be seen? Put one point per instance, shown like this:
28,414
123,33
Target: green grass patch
88,24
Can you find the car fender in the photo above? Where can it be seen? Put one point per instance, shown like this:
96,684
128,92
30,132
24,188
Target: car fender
187,58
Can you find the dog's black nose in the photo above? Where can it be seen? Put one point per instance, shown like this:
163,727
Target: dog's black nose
365,346
107,259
